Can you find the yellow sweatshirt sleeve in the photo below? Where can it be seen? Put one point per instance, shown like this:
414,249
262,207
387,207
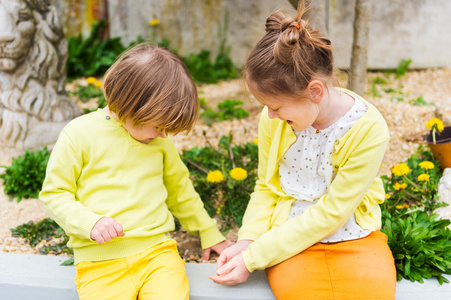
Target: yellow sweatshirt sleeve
184,202
59,189
352,182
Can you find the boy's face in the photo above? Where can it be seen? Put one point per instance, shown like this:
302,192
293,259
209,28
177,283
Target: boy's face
144,133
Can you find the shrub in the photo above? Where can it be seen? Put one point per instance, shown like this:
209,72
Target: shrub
93,55
421,245
203,70
24,178
45,230
228,110
224,178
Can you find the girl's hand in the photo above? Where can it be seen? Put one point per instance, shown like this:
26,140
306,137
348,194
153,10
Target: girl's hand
231,252
233,272
106,229
218,248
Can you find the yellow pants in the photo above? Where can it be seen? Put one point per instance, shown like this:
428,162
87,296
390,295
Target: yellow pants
357,269
157,273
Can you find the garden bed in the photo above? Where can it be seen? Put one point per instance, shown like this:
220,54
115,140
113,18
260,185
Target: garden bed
406,104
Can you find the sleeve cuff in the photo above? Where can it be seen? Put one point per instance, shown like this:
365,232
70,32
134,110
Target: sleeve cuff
247,260
211,237
85,226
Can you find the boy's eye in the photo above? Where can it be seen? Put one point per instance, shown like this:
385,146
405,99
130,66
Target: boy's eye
159,128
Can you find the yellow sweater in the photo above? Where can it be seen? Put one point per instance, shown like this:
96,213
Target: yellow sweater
97,169
355,189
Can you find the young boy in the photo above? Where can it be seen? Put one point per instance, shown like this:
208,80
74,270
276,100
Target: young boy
114,182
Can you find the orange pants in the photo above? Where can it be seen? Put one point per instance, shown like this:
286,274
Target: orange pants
357,269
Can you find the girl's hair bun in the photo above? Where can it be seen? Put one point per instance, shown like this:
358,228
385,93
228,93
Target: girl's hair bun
289,56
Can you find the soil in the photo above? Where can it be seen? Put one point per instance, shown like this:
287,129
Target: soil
405,120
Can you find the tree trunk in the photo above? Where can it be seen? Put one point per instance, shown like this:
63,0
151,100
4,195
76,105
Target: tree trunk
316,15
359,55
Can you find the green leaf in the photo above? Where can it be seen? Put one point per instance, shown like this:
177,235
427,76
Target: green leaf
68,262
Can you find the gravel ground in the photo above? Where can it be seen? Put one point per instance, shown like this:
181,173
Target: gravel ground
405,120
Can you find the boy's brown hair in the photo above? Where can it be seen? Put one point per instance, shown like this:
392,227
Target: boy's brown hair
149,84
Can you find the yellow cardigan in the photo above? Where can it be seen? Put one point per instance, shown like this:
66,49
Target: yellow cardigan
355,189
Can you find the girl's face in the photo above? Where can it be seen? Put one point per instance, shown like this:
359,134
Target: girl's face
144,133
298,113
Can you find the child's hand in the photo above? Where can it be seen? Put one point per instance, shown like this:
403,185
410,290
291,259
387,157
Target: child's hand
106,229
233,272
232,251
218,248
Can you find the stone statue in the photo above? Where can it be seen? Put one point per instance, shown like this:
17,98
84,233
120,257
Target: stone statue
34,106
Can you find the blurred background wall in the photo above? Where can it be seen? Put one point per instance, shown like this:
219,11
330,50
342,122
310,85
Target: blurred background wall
399,29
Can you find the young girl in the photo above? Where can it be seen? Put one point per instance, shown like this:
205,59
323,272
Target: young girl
114,180
313,220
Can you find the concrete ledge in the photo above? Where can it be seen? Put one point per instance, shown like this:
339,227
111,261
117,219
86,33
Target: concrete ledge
24,276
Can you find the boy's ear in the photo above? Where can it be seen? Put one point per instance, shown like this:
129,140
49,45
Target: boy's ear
316,89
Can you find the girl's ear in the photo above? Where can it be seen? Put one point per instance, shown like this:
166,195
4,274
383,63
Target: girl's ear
316,90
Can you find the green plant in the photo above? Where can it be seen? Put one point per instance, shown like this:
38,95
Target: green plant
209,116
203,70
419,101
379,80
414,185
397,98
420,244
24,178
375,91
44,230
93,55
228,110
224,187
87,92
401,70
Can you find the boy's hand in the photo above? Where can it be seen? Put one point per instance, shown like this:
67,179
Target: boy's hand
106,229
233,272
218,248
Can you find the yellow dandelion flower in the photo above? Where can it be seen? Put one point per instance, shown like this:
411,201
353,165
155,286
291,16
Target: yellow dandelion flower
218,210
397,186
427,165
98,84
215,176
387,196
406,205
91,80
399,206
423,177
401,169
238,174
154,22
256,141
434,122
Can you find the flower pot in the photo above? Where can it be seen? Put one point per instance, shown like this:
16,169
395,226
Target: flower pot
442,148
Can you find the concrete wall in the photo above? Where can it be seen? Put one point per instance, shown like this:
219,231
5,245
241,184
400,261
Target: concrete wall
400,29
